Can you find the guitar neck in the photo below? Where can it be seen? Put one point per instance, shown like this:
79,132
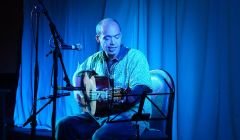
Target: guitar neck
97,95
103,95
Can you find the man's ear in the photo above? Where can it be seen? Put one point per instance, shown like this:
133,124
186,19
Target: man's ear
97,39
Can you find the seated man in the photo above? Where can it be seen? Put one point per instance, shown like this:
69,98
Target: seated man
126,68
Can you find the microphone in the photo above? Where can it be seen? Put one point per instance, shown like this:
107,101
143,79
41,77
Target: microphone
71,88
57,96
77,47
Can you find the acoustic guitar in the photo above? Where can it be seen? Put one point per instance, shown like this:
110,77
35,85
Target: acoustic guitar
98,98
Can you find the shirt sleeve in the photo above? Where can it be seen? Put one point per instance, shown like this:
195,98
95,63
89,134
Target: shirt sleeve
139,71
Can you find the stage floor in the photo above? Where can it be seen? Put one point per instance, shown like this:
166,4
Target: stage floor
17,133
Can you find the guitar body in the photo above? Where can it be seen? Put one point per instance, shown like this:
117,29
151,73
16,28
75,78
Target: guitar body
102,84
98,94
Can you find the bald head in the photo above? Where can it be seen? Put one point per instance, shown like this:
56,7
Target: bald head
106,23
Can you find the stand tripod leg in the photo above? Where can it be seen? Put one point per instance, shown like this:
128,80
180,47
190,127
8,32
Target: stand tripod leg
137,128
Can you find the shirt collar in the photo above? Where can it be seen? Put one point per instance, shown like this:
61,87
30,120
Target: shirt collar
123,51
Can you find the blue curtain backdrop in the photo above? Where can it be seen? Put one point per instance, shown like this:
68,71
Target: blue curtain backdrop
196,41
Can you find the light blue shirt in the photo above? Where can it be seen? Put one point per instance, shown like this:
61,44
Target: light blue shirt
128,70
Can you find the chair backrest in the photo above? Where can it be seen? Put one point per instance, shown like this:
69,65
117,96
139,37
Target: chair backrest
163,84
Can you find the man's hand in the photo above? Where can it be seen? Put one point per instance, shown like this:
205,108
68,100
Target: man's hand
82,97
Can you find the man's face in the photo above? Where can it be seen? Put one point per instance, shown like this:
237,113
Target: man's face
110,39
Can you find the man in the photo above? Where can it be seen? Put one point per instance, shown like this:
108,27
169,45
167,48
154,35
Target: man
126,68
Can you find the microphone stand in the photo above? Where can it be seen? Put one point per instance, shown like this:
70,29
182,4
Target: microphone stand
56,54
36,76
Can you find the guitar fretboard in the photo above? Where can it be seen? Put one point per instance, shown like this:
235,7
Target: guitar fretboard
105,95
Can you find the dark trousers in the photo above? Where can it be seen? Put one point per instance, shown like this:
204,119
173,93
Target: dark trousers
84,126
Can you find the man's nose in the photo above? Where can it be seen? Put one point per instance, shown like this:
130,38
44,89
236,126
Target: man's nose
112,41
